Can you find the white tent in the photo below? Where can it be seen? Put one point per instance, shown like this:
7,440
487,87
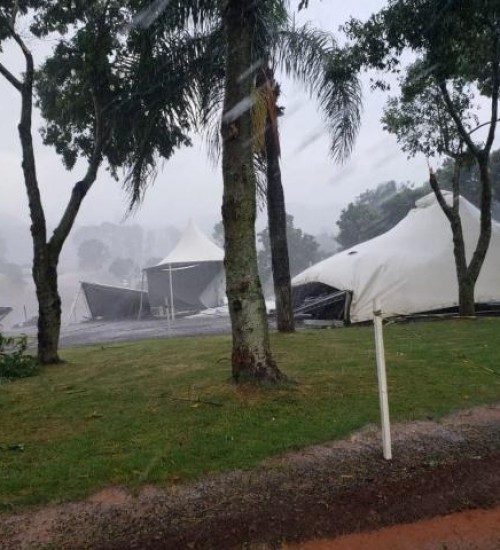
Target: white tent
410,269
192,274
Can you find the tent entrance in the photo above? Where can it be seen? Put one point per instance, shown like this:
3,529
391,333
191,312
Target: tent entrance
322,302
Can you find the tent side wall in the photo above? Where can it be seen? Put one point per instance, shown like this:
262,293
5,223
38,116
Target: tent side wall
195,286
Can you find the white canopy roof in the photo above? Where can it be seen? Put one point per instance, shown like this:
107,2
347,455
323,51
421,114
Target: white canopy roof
411,268
193,246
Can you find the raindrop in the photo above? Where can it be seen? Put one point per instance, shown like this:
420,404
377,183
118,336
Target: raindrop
148,16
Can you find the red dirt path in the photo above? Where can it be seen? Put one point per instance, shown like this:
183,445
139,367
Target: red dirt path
471,530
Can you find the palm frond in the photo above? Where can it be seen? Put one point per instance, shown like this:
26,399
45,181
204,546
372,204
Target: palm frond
313,59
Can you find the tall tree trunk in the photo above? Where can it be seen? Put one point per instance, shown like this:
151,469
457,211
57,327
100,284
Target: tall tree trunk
483,243
467,274
46,252
276,215
44,268
49,310
466,302
251,355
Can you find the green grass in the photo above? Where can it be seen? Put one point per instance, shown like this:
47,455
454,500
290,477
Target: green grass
110,415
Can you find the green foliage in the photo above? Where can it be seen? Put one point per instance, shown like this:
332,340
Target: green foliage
303,250
376,211
141,413
14,362
458,49
139,87
420,118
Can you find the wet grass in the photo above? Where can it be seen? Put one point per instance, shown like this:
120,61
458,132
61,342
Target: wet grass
166,411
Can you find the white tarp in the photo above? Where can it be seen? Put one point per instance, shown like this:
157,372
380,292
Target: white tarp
411,268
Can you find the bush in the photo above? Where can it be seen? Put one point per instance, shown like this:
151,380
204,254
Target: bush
14,362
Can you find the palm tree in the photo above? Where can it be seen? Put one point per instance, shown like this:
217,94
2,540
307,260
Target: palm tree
251,356
311,58
234,45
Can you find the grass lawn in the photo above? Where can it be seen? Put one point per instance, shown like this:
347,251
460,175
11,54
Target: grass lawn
165,411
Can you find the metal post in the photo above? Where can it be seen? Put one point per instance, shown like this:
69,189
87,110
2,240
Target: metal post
382,381
139,315
172,308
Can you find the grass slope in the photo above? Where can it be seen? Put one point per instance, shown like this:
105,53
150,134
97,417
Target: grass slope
165,411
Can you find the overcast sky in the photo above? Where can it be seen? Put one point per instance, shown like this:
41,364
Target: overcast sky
190,187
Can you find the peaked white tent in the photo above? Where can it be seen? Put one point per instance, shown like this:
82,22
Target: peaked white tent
192,275
410,269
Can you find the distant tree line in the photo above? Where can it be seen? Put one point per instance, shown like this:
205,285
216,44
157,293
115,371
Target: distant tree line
378,210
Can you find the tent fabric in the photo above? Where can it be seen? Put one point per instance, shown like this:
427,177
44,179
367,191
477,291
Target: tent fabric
195,268
193,246
411,268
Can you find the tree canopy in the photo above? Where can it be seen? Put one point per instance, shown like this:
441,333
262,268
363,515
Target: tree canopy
376,211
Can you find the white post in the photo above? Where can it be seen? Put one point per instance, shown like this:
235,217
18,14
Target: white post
382,381
172,309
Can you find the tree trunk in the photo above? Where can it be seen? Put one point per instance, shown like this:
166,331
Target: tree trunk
483,243
467,274
49,310
46,252
251,355
276,215
467,306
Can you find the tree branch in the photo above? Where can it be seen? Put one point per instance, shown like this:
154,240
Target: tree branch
81,187
19,41
433,182
37,215
460,127
494,99
457,169
11,78
482,126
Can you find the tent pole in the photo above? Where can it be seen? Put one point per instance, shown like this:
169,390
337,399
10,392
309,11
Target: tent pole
73,305
139,315
382,380
172,309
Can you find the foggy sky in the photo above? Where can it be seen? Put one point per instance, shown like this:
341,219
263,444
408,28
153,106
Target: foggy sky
189,186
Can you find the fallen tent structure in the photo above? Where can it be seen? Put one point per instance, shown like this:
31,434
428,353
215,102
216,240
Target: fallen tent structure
410,269
4,311
112,302
191,278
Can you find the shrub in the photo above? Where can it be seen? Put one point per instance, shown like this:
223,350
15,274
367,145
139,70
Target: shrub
14,362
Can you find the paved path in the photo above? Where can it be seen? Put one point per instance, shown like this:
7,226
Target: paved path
100,332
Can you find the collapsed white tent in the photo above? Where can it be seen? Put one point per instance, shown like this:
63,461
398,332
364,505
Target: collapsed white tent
192,274
410,269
